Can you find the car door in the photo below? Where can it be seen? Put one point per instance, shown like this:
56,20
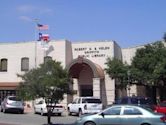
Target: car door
162,107
131,116
38,106
73,106
111,116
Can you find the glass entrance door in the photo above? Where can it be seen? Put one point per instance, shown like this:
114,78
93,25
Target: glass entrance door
86,90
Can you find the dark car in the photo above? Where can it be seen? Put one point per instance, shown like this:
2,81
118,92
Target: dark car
145,102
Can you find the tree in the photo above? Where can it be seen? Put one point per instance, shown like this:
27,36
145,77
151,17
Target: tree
149,65
164,37
119,71
49,81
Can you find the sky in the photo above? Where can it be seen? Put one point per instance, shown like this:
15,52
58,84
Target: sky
128,22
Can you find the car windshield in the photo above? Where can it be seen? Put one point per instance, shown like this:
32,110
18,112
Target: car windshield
13,98
91,101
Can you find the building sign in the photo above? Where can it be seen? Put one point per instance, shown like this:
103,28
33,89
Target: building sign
92,51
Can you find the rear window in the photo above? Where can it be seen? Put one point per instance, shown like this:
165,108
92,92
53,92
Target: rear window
14,98
163,104
91,101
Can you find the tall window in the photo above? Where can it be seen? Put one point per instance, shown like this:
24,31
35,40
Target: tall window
4,65
47,58
24,64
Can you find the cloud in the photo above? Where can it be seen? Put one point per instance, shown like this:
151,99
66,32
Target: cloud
25,18
46,11
26,8
33,9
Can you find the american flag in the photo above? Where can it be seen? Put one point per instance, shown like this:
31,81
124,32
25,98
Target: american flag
42,27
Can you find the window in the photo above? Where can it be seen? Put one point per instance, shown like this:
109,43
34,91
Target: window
79,101
47,58
113,111
163,104
131,111
25,64
75,101
4,65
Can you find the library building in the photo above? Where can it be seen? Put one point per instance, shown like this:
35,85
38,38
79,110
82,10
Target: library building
84,61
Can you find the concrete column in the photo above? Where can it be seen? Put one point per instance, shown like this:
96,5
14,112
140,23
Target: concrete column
110,89
96,87
76,87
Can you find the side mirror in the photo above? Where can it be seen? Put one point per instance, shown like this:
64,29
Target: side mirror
102,114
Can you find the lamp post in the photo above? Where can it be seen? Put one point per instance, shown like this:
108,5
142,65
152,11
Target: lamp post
128,84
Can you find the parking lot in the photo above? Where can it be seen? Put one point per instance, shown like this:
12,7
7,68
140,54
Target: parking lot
29,118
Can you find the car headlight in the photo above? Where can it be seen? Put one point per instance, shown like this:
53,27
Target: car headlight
79,119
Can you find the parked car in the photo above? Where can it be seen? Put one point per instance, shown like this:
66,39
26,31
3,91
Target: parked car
136,100
12,103
40,106
85,105
161,107
123,115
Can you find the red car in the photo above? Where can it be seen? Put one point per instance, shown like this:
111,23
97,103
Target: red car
161,107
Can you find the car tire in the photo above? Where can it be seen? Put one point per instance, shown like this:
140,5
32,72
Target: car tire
42,113
21,112
69,113
35,111
59,114
89,123
4,110
80,112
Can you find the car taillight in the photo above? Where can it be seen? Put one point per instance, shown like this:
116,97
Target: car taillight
163,118
85,107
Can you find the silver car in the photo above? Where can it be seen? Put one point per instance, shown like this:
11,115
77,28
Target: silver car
12,103
123,115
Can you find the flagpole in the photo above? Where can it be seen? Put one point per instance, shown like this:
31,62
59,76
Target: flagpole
36,22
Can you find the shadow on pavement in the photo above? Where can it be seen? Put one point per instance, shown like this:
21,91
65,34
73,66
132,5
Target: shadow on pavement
58,124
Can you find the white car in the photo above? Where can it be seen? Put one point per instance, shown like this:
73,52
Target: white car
85,105
12,103
40,106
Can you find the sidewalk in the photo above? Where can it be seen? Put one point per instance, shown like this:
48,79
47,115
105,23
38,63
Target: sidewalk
7,124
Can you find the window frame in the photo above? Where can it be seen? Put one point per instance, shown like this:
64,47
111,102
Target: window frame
3,65
25,64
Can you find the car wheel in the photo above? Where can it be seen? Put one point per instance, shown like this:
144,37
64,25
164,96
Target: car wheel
69,113
4,110
59,114
89,123
42,113
21,112
80,112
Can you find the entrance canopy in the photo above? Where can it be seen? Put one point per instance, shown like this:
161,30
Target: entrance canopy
78,64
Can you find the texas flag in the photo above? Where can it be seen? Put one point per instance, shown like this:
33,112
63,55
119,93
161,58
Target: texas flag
44,37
